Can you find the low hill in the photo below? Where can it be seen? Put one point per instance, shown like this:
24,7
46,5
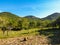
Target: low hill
53,16
7,17
32,17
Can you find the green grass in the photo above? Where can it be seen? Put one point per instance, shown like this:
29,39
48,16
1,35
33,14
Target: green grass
32,32
19,33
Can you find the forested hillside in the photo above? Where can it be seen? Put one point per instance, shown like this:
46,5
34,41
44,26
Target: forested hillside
53,16
14,22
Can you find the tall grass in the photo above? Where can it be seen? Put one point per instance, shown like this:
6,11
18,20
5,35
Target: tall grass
19,33
32,32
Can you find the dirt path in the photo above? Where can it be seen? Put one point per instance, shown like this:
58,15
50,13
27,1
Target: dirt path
30,40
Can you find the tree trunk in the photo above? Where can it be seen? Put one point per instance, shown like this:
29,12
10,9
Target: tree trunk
3,32
7,32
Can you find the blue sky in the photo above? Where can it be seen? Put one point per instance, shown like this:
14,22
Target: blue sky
38,8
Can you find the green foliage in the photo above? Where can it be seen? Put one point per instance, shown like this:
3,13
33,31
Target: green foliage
14,22
57,22
32,32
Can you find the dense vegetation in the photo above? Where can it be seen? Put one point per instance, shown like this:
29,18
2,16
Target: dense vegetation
14,22
9,21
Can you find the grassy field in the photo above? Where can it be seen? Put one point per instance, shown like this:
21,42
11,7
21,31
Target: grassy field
19,33
35,31
53,34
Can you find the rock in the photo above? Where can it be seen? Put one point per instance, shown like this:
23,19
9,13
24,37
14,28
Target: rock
23,39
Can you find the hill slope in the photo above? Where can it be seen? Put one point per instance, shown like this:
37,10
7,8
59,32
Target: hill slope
53,16
8,14
31,17
7,17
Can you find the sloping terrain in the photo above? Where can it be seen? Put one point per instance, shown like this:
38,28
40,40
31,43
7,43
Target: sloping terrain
53,16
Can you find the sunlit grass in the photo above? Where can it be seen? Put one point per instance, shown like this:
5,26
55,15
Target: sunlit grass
19,33
28,32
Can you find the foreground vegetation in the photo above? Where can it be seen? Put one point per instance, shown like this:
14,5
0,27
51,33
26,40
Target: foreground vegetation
19,33
15,26
46,34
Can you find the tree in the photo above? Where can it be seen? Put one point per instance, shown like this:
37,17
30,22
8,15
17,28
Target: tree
19,24
25,23
38,24
9,27
57,22
32,24
3,29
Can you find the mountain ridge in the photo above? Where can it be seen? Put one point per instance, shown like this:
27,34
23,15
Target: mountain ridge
52,16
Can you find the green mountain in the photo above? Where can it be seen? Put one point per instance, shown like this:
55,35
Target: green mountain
13,21
8,18
31,17
8,14
53,16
